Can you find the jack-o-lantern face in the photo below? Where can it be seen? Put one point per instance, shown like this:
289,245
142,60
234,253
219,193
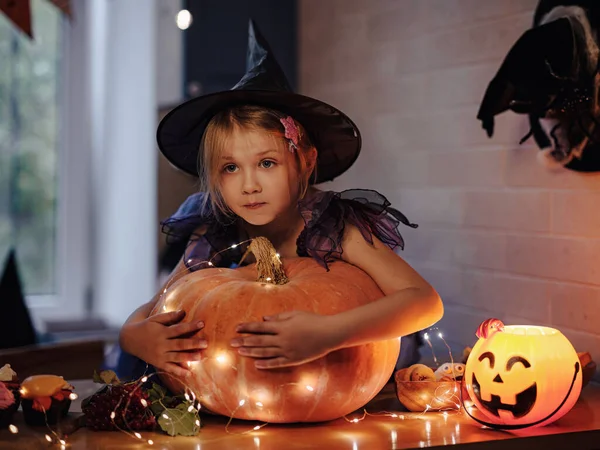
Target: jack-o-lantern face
523,400
523,376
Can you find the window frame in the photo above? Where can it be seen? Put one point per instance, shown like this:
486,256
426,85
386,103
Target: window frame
71,300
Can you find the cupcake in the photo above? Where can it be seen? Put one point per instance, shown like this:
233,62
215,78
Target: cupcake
45,399
10,379
8,405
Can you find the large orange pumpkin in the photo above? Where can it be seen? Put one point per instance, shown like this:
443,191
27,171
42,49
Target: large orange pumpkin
230,385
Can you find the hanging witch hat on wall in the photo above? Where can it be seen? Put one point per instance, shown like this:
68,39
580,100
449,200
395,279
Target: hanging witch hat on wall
16,328
551,74
335,136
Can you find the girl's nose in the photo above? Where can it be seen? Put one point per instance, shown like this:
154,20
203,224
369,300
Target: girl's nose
251,185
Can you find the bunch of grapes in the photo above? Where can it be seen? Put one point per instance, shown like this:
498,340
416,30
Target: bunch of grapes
130,405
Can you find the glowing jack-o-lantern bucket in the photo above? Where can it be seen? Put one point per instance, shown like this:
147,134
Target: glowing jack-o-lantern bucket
522,376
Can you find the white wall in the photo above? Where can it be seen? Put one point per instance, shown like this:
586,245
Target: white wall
169,53
124,162
499,235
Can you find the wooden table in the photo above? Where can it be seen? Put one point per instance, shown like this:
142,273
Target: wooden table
579,429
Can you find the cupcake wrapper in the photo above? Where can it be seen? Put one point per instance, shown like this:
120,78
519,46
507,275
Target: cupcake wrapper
6,415
58,410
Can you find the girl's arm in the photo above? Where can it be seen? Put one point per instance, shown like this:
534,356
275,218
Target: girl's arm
164,340
410,303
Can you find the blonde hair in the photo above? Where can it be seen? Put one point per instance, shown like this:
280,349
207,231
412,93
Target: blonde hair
248,117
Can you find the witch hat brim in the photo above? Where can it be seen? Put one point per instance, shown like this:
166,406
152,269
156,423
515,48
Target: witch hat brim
334,134
531,73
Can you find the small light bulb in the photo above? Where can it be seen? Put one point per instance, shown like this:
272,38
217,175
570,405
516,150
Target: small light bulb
165,416
426,336
150,442
197,423
259,404
144,402
62,442
440,336
210,263
257,427
73,396
48,438
13,429
309,388
183,19
242,402
144,379
268,278
137,435
191,408
234,246
112,415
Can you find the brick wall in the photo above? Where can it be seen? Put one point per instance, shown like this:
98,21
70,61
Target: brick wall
500,235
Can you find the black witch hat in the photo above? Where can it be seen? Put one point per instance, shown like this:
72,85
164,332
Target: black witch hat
547,70
16,328
534,71
335,136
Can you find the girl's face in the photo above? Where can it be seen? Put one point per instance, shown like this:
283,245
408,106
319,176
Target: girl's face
258,176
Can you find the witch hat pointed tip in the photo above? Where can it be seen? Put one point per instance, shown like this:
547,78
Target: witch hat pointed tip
16,326
256,40
251,24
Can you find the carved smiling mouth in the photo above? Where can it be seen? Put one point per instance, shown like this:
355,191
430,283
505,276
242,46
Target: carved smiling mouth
524,401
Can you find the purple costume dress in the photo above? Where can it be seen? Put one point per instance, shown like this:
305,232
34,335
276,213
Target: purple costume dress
325,215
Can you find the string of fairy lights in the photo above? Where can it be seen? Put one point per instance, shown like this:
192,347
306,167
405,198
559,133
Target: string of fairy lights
441,398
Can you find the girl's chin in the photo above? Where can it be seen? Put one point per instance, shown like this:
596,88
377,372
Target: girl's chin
256,219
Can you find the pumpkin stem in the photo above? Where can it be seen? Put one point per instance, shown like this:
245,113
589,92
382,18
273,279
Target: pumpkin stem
268,264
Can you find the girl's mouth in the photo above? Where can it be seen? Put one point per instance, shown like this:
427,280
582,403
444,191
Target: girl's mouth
254,205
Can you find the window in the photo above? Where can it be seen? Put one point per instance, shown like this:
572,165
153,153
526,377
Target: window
30,116
69,225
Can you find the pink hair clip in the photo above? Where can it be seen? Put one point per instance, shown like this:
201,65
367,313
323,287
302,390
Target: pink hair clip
291,132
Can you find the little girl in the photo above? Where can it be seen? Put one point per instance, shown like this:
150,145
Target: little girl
258,149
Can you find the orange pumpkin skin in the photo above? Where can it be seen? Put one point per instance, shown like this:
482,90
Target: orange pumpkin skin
321,390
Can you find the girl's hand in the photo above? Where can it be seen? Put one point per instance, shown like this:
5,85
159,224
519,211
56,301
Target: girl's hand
165,342
287,339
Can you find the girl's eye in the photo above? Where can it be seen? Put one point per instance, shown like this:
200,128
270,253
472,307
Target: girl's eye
267,164
230,168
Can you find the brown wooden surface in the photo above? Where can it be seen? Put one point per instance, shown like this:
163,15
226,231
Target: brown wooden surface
579,429
72,360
